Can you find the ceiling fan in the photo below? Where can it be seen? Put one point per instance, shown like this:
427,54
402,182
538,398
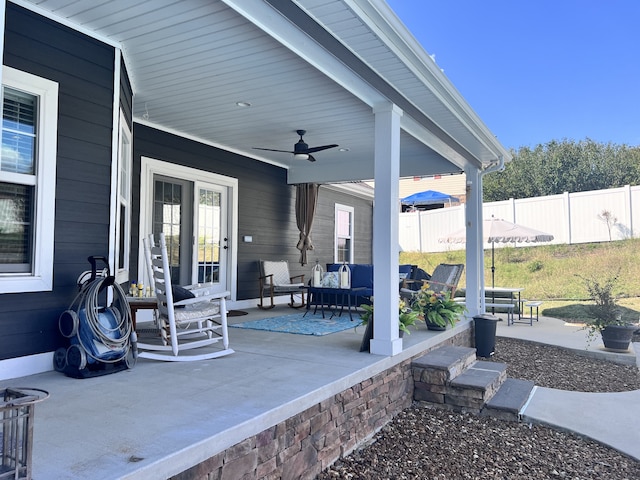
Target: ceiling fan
301,151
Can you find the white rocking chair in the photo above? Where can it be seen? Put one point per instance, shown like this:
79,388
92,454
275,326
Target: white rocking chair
197,322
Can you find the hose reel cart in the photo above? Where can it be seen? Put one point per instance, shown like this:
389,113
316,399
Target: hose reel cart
98,327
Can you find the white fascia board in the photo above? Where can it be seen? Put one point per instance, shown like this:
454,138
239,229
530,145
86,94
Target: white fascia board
281,29
421,133
381,19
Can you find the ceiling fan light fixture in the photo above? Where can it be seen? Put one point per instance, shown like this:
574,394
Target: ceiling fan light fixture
301,151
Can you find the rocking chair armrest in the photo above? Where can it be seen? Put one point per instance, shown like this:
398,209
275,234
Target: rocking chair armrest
201,289
266,280
409,281
452,288
203,298
301,277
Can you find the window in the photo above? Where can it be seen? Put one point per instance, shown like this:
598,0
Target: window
344,234
27,181
124,202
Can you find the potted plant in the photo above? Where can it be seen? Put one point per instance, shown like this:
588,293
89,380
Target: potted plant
437,309
607,318
406,317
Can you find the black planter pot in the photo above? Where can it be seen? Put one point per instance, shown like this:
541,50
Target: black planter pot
435,327
617,337
368,335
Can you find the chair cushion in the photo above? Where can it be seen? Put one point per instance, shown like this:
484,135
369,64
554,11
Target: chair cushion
292,287
197,311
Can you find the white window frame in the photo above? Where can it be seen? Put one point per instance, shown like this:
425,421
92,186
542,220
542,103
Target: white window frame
41,276
351,211
125,164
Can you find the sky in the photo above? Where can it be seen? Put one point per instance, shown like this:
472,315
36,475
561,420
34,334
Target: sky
538,70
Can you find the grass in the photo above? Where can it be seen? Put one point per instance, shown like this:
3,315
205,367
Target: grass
551,273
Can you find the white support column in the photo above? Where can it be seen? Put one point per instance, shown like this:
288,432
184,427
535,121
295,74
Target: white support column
385,230
474,244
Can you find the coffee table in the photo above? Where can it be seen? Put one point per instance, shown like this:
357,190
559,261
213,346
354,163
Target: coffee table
318,296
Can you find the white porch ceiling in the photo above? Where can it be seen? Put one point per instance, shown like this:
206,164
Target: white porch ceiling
191,61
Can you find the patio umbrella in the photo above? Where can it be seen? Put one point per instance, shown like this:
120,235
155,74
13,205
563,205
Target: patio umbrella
428,197
496,230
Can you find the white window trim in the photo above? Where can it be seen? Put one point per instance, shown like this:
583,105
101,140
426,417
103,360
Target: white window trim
122,274
351,210
41,278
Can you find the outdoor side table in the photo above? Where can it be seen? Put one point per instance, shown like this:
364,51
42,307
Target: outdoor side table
318,295
140,303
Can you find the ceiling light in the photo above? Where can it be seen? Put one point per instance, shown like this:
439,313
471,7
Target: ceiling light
243,104
343,150
301,156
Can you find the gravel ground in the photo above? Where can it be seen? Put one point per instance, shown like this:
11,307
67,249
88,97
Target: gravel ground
473,447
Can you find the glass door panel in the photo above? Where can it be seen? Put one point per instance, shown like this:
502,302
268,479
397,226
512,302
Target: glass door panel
211,234
171,216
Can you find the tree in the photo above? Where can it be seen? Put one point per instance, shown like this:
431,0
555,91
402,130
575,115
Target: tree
564,166
609,218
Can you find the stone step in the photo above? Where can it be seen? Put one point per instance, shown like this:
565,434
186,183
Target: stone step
477,385
508,401
443,364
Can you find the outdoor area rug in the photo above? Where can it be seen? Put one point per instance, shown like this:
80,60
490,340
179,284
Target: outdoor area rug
299,324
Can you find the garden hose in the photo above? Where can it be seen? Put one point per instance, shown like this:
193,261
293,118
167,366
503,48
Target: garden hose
119,337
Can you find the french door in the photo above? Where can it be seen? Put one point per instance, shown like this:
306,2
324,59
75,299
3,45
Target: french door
211,239
194,214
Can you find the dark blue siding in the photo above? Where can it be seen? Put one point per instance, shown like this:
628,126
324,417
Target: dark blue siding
266,206
83,68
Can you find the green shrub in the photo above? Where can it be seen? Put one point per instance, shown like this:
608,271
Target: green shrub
534,266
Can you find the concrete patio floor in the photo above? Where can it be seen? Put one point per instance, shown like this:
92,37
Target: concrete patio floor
160,418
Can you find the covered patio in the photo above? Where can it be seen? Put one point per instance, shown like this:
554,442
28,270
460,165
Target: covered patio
198,85
306,399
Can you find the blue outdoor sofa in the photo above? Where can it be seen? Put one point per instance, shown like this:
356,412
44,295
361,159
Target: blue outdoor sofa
362,280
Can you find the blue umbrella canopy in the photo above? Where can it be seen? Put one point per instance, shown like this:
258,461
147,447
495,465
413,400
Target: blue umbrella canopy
428,197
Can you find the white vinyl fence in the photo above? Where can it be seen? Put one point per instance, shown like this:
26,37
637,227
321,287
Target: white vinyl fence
569,217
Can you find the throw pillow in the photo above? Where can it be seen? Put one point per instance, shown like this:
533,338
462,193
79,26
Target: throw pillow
181,293
330,280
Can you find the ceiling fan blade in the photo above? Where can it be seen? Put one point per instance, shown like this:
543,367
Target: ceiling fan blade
311,159
318,149
272,150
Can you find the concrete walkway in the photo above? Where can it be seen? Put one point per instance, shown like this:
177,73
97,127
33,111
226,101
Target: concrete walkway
610,418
